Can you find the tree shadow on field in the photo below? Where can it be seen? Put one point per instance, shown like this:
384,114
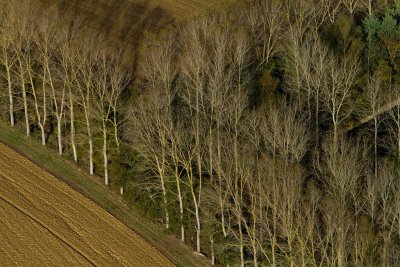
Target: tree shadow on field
123,22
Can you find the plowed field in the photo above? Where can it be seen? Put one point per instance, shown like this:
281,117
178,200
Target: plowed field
45,222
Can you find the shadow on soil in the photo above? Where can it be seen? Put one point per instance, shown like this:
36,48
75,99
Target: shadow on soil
124,21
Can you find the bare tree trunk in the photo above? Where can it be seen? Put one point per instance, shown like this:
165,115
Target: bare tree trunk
89,135
180,198
161,173
115,123
241,244
164,192
41,121
196,207
24,97
317,118
105,156
43,134
212,250
198,227
90,141
72,122
397,120
221,192
91,164
59,135
376,147
10,95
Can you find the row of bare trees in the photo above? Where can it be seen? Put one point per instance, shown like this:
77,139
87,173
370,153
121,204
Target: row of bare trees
58,75
273,182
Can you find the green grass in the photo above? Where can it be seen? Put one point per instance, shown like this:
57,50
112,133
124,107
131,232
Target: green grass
92,188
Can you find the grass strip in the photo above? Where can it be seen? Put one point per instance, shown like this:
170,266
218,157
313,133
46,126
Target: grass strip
92,188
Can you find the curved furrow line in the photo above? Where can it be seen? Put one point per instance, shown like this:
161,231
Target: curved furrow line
53,233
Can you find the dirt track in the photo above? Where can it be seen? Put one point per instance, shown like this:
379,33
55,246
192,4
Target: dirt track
44,222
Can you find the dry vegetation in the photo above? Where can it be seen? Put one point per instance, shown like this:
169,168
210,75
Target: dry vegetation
182,9
128,20
45,222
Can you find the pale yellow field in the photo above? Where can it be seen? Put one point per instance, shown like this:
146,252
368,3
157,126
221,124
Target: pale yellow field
44,222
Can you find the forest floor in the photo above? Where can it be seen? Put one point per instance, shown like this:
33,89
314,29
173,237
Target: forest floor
68,218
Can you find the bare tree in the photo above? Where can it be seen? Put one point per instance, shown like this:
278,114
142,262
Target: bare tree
296,65
21,15
317,76
332,8
154,131
160,71
340,169
101,95
193,92
69,78
85,87
286,137
393,142
335,96
368,5
37,68
8,58
219,75
352,5
149,137
382,202
266,25
119,80
235,114
45,41
373,102
285,133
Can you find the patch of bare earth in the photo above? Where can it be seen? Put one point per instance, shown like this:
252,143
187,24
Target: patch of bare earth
45,222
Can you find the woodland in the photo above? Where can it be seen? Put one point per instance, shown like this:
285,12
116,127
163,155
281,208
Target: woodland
264,133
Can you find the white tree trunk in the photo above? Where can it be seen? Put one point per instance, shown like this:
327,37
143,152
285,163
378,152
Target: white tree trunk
116,131
105,157
198,229
212,250
25,100
89,132
398,142
72,121
164,191
91,165
180,198
59,136
10,95
223,222
376,147
41,126
241,245
74,149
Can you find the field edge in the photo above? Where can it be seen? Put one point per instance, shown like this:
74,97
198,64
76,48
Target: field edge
92,188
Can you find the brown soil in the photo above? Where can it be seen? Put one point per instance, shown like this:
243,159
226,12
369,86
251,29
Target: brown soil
45,222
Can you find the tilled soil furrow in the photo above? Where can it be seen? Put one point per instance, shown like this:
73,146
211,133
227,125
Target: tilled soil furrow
22,236
34,184
72,219
24,212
